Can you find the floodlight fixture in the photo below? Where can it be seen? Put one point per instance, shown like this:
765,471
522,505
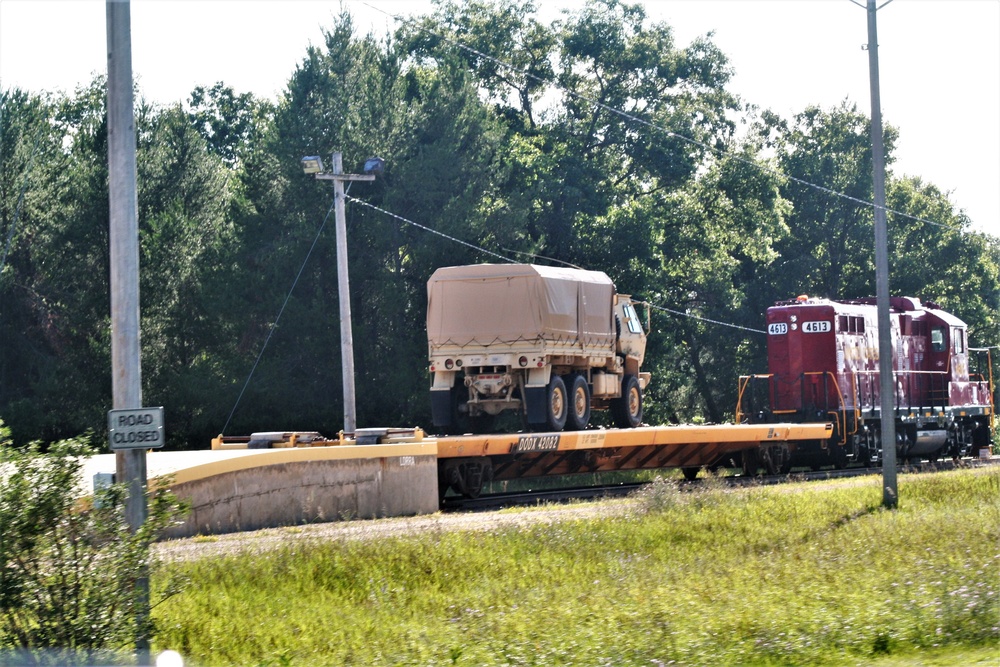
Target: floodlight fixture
312,164
374,165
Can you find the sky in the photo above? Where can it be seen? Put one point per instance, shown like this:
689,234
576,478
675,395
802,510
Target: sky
939,61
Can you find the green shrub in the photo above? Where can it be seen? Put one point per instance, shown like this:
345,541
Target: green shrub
68,569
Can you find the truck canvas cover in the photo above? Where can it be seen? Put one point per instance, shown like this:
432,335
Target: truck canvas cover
485,304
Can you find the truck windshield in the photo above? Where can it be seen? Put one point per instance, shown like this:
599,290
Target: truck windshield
633,319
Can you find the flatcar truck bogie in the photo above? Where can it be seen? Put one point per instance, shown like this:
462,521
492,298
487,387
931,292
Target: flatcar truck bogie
548,343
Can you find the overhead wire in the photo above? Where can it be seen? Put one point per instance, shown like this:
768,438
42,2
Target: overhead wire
642,121
426,229
507,259
281,310
705,319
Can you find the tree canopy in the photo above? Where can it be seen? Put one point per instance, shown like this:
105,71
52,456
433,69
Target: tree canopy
596,140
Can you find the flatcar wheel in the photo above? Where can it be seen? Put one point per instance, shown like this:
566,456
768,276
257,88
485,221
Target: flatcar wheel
579,404
777,460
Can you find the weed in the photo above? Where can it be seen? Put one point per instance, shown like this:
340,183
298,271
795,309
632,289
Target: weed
698,575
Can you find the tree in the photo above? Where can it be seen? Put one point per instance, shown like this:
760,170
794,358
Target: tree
228,122
186,197
715,240
938,257
829,251
55,292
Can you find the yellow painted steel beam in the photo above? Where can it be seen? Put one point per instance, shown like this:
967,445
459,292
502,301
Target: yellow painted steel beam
737,436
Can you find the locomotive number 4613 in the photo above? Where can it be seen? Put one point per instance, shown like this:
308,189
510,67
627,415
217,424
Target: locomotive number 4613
821,326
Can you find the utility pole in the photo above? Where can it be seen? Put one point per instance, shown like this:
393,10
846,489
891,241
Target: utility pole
344,291
126,375
887,384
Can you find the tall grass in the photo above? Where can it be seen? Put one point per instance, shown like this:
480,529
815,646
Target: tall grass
762,576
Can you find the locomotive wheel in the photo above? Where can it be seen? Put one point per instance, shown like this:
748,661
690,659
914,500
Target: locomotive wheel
556,404
690,473
627,410
579,404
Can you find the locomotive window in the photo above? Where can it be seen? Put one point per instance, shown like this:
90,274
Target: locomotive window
937,339
855,325
842,323
959,342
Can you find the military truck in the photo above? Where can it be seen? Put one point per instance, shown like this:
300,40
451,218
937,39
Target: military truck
551,343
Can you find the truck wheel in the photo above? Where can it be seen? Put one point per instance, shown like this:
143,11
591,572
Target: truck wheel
627,410
579,404
556,404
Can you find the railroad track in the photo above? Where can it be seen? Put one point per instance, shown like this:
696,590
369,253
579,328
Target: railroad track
497,501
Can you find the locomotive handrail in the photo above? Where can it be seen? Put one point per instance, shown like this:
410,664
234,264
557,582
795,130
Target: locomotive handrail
841,427
743,383
990,387
909,375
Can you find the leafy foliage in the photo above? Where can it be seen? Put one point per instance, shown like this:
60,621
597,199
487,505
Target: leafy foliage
596,140
68,573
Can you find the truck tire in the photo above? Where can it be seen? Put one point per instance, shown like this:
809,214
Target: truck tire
556,406
578,413
627,409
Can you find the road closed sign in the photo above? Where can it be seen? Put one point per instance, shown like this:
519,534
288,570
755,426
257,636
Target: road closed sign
140,428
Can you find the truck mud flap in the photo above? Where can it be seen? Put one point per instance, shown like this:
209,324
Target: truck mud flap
535,398
441,407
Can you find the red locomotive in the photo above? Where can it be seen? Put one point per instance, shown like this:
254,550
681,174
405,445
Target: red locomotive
823,366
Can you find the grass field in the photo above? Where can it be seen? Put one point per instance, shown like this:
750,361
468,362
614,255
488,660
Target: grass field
803,574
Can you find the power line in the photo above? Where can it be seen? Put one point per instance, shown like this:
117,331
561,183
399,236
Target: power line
427,229
641,121
507,260
705,319
278,318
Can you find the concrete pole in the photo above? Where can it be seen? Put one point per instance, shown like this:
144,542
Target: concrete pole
126,375
344,292
887,384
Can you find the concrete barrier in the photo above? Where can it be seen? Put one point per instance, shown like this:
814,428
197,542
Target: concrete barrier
248,489
286,487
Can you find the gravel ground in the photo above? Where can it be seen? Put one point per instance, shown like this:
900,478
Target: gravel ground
260,541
